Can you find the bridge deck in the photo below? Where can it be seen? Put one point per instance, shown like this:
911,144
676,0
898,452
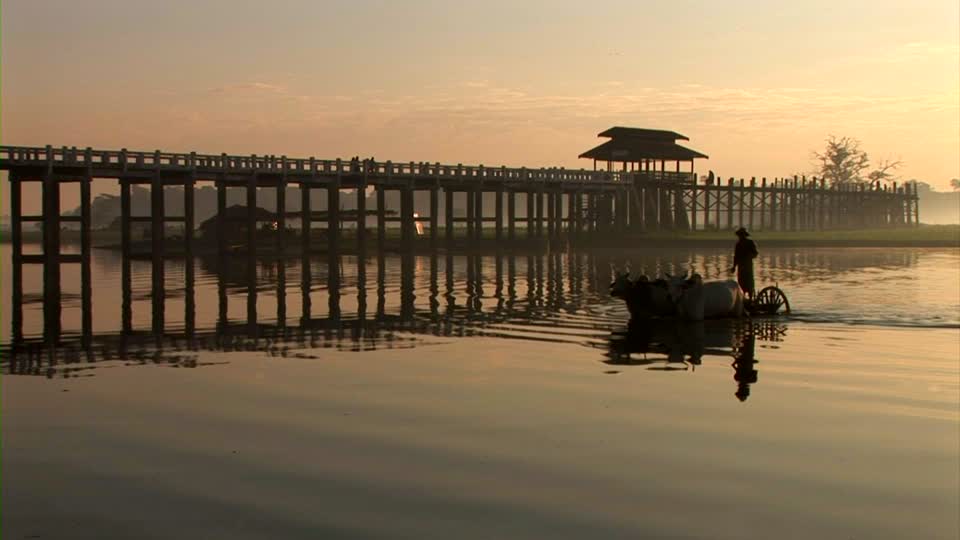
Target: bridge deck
71,164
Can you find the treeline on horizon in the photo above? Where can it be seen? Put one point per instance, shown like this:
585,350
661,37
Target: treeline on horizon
935,207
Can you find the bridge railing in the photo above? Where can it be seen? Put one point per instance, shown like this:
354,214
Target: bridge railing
124,159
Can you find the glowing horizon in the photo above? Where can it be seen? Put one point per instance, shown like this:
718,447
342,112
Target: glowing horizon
756,87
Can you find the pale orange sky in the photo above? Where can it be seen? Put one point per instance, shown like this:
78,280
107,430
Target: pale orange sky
755,85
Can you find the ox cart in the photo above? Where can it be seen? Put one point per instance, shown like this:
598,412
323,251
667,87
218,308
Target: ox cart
660,297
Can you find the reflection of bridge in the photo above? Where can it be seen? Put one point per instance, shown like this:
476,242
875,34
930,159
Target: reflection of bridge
553,297
541,312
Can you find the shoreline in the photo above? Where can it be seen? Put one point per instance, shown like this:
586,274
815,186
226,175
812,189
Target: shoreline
925,236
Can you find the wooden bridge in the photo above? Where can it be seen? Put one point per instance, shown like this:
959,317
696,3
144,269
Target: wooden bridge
560,204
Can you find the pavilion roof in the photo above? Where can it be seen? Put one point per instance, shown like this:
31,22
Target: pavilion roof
632,149
641,133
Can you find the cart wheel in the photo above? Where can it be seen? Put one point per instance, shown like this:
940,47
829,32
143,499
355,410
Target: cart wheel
770,299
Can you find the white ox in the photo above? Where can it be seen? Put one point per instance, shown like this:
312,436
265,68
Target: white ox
697,300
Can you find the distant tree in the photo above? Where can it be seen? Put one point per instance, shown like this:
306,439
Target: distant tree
955,184
842,162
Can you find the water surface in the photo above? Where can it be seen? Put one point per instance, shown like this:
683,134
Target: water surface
485,397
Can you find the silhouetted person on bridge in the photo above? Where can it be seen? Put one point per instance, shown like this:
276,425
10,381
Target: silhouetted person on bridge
743,255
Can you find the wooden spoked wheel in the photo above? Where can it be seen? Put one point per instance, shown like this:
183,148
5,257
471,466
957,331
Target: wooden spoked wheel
769,300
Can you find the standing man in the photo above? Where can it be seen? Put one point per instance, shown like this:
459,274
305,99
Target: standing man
743,256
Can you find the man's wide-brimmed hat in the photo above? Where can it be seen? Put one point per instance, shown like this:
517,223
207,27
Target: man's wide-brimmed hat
742,232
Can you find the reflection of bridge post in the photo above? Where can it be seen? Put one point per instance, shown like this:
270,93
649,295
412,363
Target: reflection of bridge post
511,281
407,296
434,286
333,287
281,293
498,282
306,304
381,285
448,270
361,290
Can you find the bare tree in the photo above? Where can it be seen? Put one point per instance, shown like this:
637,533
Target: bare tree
842,161
885,171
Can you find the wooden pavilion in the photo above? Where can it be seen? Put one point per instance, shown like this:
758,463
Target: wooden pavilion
637,150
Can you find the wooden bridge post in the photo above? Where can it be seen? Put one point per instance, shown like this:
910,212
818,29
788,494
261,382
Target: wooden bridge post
820,188
558,211
448,214
434,217
706,205
498,214
86,292
775,209
471,201
764,207
694,204
730,189
333,212
753,201
551,215
718,200
362,214
125,260
251,194
381,215
16,231
189,209
478,211
281,231
408,228
741,202
221,212
784,203
511,215
530,213
306,212
571,213
680,220
793,204
157,241
539,211
51,251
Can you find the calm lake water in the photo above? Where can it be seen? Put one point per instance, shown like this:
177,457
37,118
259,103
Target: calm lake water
485,397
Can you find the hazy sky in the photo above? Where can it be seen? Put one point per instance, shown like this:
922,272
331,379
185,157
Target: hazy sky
756,85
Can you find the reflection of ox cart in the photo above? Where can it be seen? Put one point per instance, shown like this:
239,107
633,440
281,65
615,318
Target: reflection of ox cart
768,302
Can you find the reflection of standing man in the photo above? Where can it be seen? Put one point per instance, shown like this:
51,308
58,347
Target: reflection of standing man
744,372
743,256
